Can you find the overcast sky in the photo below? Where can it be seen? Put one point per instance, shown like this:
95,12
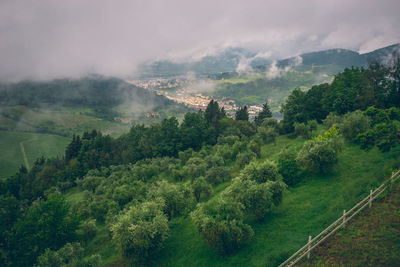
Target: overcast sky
48,38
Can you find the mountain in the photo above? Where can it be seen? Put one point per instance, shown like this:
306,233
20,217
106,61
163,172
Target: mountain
383,54
275,80
228,60
225,61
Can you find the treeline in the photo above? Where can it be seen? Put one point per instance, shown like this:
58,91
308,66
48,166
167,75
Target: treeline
354,89
135,184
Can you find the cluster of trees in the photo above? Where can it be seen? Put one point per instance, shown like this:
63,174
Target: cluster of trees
158,172
254,192
353,89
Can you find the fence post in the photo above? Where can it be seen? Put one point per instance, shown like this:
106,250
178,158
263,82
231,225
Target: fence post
370,198
344,218
309,247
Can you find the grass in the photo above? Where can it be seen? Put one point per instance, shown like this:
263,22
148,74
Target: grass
371,239
35,145
306,210
63,120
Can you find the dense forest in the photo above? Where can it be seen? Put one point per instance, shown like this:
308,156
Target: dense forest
133,186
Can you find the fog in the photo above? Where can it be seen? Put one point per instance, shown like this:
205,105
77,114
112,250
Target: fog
43,39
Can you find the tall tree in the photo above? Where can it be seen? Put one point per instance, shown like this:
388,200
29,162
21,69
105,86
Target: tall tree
265,113
242,114
213,113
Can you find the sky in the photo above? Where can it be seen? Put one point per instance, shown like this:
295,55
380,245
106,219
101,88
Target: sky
45,39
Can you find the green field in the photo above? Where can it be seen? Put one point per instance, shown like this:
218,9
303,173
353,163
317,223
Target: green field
35,145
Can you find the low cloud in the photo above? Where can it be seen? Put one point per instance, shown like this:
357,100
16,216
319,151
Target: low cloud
198,85
245,63
274,71
46,39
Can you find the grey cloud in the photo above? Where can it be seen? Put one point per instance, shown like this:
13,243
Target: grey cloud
46,38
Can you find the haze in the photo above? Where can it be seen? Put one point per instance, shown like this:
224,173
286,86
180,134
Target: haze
43,39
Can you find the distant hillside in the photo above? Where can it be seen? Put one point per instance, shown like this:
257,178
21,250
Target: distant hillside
383,53
68,106
275,80
225,61
93,91
335,60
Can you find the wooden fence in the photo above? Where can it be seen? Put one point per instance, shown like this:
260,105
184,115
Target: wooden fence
341,222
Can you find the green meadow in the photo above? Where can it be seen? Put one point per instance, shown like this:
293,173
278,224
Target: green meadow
35,145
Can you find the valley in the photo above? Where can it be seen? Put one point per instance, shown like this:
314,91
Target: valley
175,171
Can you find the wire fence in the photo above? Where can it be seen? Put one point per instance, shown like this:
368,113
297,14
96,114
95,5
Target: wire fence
339,223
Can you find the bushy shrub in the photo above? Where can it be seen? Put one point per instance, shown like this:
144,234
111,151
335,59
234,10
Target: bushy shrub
321,152
287,167
268,134
195,167
201,188
254,147
177,198
221,224
261,172
303,130
353,124
141,231
332,119
69,255
217,175
244,158
257,198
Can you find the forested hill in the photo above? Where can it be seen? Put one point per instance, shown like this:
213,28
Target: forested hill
91,91
229,59
335,60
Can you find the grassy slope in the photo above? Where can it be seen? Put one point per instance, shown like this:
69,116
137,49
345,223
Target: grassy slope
65,120
371,239
306,210
35,145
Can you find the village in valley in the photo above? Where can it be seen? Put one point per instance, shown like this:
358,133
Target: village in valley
184,91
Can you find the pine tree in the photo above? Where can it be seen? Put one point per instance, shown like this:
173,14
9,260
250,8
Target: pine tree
242,114
213,113
265,113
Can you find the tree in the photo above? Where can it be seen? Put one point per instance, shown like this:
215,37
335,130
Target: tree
213,113
201,188
217,175
265,113
141,231
244,158
47,224
301,129
194,131
258,188
256,198
242,114
287,167
177,198
261,172
170,140
221,224
70,254
321,152
353,124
